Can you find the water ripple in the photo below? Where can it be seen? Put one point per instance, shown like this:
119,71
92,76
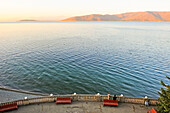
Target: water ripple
85,59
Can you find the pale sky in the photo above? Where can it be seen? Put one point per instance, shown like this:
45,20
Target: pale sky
13,10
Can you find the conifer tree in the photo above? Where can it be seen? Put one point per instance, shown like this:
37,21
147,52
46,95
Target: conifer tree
163,105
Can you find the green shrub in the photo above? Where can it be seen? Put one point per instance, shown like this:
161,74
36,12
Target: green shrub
163,105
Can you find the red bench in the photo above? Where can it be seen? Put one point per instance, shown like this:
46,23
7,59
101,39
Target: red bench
7,107
63,100
110,102
152,111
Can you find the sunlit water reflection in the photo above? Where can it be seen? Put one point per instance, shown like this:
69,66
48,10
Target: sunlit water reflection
127,58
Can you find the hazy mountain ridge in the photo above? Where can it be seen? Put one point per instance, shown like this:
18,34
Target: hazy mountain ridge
27,20
151,16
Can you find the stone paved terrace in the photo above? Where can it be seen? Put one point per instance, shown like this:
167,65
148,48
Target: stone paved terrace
81,107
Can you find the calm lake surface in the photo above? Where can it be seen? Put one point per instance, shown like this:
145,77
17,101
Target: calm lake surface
128,58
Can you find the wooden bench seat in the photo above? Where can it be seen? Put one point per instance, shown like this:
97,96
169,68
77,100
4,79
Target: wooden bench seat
110,102
152,111
63,100
7,107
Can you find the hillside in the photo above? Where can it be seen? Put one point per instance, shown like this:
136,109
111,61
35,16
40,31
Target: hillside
150,16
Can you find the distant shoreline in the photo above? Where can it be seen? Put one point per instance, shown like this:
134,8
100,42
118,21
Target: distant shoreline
27,20
146,16
82,21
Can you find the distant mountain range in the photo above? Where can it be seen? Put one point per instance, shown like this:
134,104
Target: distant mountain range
27,20
148,16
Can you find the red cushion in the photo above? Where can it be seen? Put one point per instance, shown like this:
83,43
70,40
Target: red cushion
63,100
153,110
110,102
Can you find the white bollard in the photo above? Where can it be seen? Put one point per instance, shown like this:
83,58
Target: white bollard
98,93
121,95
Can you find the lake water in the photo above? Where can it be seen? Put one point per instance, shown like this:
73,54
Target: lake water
128,58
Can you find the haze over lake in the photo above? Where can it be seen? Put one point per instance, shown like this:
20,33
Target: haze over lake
128,58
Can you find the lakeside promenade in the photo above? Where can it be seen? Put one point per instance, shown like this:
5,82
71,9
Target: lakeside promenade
82,107
81,103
